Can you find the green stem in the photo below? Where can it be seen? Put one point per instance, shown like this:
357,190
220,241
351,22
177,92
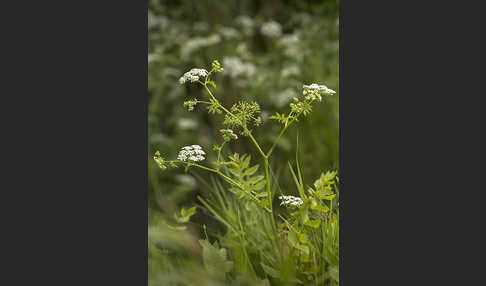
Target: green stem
243,239
279,136
231,181
229,112
256,144
215,100
265,158
219,152
270,205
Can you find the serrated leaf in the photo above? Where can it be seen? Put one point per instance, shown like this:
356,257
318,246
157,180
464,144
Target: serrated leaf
261,195
255,179
270,271
245,162
183,219
320,208
235,172
326,192
189,212
234,190
251,171
330,197
259,185
313,223
215,260
325,181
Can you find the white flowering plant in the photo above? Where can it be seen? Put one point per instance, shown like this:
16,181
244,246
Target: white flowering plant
305,232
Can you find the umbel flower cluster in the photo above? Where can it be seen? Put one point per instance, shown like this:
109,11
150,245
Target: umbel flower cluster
290,201
314,91
271,29
192,153
193,75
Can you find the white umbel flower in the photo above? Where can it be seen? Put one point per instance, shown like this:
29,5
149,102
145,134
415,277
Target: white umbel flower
193,75
271,29
290,201
197,43
234,67
314,91
191,153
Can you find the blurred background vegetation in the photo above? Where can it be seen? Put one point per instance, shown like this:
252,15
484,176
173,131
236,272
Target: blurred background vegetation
268,49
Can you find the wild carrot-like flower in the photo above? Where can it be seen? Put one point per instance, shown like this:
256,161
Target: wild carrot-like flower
314,91
191,153
290,201
271,29
193,75
234,67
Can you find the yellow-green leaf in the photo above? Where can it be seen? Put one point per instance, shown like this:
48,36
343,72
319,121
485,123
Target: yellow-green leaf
313,223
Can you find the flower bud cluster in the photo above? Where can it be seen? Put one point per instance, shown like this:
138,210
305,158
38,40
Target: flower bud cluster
228,134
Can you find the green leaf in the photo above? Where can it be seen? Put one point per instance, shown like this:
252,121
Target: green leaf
234,190
313,223
325,181
293,239
212,83
186,215
215,260
183,219
189,212
304,258
245,162
330,197
255,179
325,192
178,228
259,186
251,171
302,238
334,273
235,172
270,271
303,248
320,208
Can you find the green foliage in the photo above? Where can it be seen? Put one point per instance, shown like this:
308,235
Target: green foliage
215,260
266,244
250,184
185,215
301,232
281,118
